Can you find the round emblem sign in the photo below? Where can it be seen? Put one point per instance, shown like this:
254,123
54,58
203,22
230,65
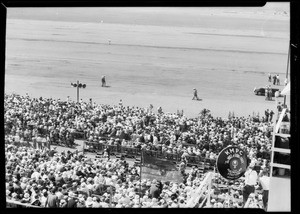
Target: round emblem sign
232,163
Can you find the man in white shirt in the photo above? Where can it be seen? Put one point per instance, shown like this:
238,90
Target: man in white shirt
250,181
264,180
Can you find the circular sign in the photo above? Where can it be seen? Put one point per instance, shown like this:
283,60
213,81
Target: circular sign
232,162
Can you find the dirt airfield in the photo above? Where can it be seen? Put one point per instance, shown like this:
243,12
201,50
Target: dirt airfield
150,55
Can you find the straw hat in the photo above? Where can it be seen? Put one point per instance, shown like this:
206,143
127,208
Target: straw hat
26,195
89,202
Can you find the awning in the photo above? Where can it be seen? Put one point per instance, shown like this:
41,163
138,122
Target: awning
286,90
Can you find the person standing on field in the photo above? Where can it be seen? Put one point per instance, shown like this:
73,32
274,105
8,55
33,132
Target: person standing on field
195,95
271,115
274,79
103,81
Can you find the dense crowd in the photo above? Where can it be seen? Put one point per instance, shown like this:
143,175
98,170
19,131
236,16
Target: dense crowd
31,119
39,176
47,178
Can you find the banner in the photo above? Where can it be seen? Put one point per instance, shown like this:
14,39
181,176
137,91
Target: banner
159,169
232,162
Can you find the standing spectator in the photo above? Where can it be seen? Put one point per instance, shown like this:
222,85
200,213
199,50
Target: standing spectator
39,142
271,115
267,92
71,203
269,77
277,79
52,199
44,198
154,189
264,180
274,79
267,115
250,182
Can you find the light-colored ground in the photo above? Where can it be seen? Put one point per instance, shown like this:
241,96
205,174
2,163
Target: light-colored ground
156,55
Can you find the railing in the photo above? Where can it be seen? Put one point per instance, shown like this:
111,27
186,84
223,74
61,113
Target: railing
16,204
132,152
200,191
248,202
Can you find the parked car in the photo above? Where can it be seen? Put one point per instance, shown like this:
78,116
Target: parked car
261,91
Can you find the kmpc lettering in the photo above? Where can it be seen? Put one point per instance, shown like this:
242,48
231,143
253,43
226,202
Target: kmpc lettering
232,162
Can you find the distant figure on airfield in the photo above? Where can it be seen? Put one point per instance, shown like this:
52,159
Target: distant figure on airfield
267,92
195,95
109,41
271,115
277,79
103,81
270,77
274,79
159,110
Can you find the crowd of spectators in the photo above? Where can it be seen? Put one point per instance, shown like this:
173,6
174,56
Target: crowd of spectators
47,178
40,174
29,118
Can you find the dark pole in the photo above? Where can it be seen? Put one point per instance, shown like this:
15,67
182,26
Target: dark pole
141,176
77,91
110,198
287,70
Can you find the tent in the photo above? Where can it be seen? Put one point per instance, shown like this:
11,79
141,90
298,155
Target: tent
286,90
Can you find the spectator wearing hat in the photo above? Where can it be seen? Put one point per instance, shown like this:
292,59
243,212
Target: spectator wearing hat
81,202
36,201
63,203
71,203
96,202
14,197
26,199
89,202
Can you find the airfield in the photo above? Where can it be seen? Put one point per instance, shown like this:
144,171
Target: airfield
150,55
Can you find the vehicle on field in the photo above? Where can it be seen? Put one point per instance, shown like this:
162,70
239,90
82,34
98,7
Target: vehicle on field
261,91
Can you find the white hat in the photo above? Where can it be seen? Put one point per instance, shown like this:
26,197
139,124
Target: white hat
26,195
89,201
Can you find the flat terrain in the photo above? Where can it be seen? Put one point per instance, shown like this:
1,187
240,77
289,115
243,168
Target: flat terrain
155,55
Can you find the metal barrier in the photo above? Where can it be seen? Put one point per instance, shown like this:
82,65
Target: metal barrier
16,204
131,152
78,135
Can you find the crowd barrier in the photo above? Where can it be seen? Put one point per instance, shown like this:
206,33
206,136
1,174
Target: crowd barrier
79,135
130,152
16,204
